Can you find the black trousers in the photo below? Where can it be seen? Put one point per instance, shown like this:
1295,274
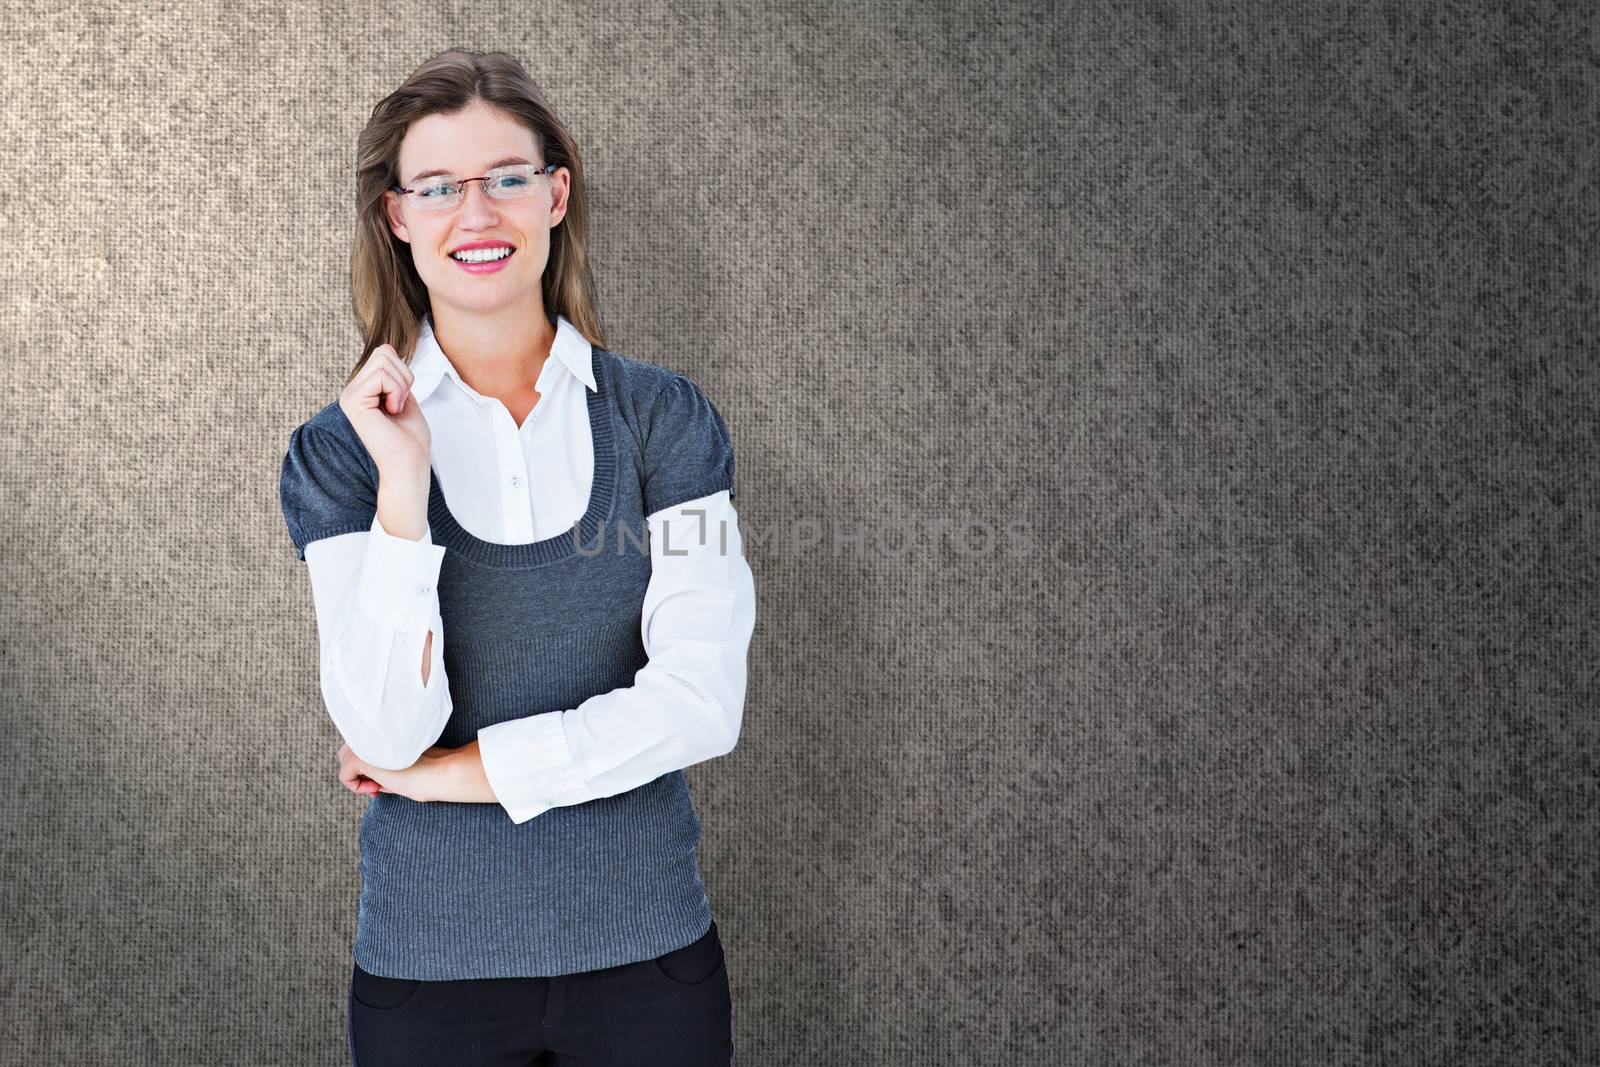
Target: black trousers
672,1011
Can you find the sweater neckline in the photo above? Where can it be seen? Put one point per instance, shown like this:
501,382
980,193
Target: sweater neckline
602,491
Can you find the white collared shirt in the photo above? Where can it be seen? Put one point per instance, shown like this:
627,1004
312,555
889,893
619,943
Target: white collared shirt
376,600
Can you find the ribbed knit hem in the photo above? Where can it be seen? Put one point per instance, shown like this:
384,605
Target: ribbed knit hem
459,891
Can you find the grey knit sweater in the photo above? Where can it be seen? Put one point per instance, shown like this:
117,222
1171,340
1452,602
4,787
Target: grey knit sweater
453,890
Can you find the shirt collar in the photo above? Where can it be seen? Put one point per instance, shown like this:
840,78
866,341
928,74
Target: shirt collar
429,364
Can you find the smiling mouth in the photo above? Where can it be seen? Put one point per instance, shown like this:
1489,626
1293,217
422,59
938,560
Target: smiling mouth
483,255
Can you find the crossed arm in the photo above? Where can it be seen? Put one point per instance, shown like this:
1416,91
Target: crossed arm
386,688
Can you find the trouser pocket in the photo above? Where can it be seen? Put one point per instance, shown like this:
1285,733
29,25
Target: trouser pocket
380,992
694,962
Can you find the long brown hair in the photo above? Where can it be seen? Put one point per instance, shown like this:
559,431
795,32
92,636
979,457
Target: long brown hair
388,296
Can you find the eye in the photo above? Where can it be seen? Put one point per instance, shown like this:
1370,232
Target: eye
435,190
509,182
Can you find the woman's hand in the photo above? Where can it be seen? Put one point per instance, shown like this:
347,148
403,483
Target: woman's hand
440,773
387,418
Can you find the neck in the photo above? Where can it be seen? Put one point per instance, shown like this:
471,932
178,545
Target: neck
499,353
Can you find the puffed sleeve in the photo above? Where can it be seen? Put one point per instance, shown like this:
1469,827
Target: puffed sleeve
326,487
687,451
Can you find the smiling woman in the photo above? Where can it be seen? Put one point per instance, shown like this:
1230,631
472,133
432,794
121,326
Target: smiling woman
528,853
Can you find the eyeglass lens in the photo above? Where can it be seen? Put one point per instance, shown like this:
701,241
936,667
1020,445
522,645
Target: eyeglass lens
507,184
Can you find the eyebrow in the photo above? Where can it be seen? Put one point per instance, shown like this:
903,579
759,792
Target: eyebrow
506,162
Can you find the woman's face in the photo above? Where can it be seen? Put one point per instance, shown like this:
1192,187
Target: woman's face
467,144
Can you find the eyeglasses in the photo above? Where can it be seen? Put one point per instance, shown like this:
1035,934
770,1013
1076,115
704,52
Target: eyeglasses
443,192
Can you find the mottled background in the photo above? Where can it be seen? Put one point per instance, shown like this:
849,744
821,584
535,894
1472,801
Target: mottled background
1273,742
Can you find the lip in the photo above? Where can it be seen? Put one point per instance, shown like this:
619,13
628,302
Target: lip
482,244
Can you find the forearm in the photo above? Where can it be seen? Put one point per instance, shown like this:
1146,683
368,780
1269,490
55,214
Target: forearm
383,675
455,774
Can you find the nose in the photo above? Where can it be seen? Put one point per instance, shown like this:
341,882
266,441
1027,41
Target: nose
476,206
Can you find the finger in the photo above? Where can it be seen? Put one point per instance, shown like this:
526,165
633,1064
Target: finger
401,391
385,361
400,366
383,388
382,361
403,375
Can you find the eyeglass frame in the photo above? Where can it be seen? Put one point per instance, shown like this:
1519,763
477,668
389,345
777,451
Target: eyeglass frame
461,183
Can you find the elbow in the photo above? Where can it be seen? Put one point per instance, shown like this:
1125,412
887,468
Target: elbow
388,737
397,753
727,721
727,715
381,761
381,754
709,717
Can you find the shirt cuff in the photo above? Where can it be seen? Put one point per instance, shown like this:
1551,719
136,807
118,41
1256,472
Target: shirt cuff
399,578
529,766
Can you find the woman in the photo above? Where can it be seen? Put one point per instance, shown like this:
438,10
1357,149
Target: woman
533,609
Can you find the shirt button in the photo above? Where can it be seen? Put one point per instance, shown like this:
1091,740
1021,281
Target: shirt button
424,588
516,479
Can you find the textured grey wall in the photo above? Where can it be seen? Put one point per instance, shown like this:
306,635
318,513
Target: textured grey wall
1277,325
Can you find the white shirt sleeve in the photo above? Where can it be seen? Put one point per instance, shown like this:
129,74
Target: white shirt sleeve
685,704
376,598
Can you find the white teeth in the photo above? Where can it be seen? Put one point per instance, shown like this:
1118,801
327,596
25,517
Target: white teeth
481,255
